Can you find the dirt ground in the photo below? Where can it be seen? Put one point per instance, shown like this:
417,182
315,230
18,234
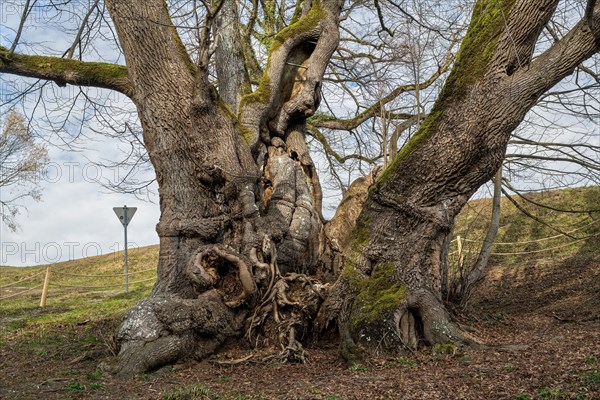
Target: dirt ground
542,328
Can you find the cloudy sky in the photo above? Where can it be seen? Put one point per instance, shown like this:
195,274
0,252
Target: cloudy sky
75,217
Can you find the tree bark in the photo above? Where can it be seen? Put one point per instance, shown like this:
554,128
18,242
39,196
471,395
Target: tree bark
240,200
233,81
392,277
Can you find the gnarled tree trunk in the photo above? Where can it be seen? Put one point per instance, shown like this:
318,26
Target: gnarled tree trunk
240,198
389,295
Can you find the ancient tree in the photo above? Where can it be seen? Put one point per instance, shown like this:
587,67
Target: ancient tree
244,250
22,160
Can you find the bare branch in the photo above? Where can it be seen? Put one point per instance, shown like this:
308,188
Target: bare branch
26,10
375,108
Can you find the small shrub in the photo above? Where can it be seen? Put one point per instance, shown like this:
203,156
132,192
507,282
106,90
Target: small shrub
358,368
188,393
75,387
592,378
94,376
550,393
465,358
591,360
447,348
407,362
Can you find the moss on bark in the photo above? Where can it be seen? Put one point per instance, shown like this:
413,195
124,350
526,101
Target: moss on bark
377,294
185,57
472,63
95,71
312,19
245,132
262,94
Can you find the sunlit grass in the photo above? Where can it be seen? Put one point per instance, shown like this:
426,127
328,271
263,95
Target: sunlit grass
72,299
521,234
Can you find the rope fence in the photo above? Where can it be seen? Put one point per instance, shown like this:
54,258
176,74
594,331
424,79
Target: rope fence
21,292
22,280
521,253
536,240
102,276
516,244
47,283
98,287
460,254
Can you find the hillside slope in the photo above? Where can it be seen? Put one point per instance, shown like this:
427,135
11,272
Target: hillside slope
93,287
554,236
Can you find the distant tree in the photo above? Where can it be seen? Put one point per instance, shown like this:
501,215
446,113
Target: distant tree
22,162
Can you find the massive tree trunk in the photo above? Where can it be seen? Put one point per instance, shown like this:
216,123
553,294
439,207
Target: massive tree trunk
389,296
241,231
240,199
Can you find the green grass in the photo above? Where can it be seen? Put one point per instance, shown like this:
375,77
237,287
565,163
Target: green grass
98,294
516,229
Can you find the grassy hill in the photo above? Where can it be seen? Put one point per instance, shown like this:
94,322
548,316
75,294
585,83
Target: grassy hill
85,289
522,240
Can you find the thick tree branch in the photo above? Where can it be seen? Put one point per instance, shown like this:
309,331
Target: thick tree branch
589,13
563,57
523,24
67,71
155,55
232,75
290,86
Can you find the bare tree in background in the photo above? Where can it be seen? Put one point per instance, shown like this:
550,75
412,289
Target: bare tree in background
22,163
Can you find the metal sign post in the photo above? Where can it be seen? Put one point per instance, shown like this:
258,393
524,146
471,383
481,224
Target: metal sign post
125,214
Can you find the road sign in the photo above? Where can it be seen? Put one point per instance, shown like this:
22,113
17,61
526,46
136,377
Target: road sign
120,211
125,214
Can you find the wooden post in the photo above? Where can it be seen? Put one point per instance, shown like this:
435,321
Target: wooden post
45,289
460,254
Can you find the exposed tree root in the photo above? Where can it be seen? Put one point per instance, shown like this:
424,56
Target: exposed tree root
158,331
285,316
